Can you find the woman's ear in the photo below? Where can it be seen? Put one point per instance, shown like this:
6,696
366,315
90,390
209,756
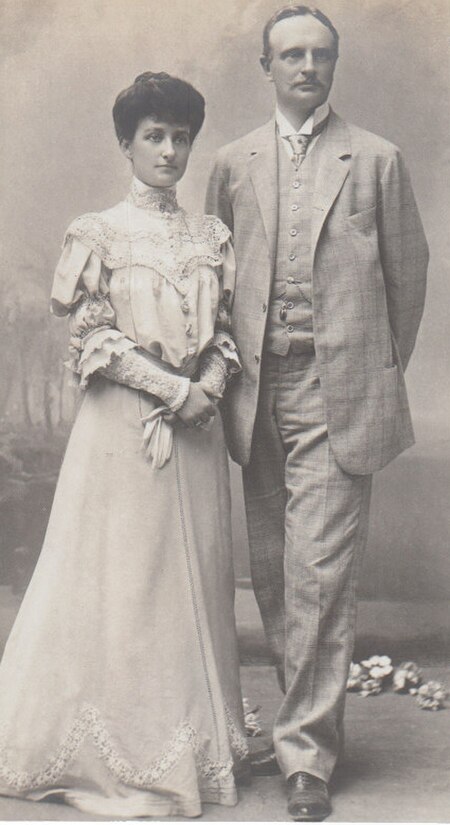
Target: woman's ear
125,146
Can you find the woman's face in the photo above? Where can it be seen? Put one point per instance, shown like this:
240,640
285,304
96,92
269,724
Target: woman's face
159,151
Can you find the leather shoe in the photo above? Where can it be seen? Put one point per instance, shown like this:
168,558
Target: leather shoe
264,762
308,799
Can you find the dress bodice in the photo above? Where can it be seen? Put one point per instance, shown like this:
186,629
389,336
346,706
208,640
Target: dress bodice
162,271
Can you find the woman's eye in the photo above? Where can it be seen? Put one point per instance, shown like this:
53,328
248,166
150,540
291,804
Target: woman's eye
183,140
154,138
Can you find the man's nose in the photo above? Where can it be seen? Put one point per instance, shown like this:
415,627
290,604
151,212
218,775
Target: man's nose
308,66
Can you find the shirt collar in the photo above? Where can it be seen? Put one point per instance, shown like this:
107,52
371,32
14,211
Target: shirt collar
285,128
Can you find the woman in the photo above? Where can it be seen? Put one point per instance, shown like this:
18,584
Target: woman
120,684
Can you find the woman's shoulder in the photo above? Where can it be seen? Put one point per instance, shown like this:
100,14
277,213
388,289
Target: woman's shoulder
212,228
93,223
98,230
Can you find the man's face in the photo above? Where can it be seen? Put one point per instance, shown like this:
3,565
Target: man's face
301,63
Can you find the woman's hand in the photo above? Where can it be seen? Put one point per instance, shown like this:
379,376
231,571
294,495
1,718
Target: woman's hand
197,409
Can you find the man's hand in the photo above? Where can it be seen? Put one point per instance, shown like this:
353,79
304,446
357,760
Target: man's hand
197,409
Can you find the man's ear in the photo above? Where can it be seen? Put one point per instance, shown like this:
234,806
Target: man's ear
265,64
125,146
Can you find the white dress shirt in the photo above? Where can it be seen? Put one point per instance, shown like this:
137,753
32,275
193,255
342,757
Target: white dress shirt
285,128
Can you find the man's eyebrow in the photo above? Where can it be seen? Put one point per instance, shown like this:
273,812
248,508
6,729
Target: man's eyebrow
292,50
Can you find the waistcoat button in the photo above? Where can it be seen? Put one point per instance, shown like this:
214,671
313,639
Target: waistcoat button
293,232
290,328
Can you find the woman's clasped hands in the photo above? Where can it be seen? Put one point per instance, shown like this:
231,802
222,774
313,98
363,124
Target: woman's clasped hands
197,411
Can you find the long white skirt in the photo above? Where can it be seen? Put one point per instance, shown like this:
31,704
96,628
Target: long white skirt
119,685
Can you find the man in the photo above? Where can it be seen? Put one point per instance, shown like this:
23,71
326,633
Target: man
331,268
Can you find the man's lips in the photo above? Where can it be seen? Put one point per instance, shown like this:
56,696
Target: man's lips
307,85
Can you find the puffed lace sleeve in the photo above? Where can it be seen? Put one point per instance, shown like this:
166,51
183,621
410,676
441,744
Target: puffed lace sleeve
220,361
80,290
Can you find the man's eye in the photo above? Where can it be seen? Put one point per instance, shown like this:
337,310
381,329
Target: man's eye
322,55
296,55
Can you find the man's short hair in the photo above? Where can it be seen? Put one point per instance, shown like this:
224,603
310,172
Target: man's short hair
297,11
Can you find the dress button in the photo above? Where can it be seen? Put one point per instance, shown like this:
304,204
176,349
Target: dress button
188,330
290,328
294,207
290,280
257,359
292,256
293,232
290,305
296,184
185,306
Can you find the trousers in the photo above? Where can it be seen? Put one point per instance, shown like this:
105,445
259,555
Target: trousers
307,523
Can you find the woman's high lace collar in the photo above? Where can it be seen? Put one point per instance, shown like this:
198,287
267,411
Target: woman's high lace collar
152,197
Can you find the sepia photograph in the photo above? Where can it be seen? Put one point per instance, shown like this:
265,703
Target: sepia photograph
224,411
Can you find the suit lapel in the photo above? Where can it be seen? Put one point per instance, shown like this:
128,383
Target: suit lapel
334,166
264,176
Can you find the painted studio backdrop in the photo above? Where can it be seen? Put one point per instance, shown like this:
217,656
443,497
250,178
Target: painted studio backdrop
62,66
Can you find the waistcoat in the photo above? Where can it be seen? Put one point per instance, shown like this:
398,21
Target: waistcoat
289,323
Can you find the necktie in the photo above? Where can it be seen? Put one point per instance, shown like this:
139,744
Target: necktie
299,145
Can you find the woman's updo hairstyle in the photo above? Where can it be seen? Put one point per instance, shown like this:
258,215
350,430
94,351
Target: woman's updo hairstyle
160,96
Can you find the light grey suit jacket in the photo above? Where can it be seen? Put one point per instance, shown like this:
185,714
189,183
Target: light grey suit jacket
369,261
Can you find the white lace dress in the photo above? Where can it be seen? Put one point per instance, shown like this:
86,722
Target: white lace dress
119,685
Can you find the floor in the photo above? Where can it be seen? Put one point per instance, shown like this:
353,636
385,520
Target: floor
397,764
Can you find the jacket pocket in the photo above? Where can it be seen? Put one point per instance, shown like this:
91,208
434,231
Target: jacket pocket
361,220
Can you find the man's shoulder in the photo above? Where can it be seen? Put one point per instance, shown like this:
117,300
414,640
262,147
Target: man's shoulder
242,146
368,142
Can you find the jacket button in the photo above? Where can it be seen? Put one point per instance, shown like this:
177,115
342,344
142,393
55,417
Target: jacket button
264,307
290,305
257,359
290,328
293,232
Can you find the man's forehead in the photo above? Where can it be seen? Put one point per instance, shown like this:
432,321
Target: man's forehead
300,31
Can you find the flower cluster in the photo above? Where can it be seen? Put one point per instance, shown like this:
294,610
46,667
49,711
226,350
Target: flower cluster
430,696
406,677
371,676
251,719
368,677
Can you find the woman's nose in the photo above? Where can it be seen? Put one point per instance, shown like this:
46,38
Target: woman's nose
168,149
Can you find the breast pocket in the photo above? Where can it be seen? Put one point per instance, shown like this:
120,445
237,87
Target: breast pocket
362,220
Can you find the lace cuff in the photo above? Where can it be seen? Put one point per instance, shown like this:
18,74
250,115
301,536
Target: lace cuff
218,363
136,370
213,373
224,343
